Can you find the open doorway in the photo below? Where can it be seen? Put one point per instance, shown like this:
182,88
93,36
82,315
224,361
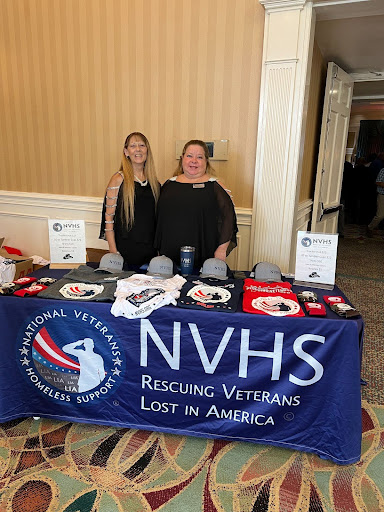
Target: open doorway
365,151
353,38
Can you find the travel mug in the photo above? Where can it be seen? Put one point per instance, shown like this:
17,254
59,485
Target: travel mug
187,256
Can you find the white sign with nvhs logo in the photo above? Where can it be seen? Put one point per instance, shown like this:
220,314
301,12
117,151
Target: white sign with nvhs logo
316,255
66,243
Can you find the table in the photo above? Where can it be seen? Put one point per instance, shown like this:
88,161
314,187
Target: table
288,382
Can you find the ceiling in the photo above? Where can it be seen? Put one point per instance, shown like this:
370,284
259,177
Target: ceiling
351,34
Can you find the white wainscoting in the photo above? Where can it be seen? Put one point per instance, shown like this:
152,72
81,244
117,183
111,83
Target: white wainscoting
24,216
24,219
239,257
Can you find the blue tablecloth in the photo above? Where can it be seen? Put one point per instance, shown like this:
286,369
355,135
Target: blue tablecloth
289,382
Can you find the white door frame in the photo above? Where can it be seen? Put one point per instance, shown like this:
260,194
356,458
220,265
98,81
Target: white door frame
286,66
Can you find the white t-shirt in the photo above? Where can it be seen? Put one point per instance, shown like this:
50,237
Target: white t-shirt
139,295
7,270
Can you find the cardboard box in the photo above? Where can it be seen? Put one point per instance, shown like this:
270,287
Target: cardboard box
95,255
23,268
36,267
24,265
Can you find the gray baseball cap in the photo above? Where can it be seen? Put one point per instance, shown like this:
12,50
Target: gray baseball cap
266,272
111,262
216,268
162,267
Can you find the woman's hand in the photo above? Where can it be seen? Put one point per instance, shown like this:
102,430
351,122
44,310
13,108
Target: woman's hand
221,251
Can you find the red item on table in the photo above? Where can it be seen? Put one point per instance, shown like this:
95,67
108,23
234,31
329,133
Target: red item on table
315,309
24,281
31,290
12,250
274,299
332,299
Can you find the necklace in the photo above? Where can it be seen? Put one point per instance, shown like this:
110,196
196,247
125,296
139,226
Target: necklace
143,183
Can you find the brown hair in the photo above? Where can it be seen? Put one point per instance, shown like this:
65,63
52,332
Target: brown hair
209,170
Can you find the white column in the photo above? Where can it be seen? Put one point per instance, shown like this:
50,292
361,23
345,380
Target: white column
287,54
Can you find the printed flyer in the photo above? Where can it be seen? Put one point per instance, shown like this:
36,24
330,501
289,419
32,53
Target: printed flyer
316,255
66,242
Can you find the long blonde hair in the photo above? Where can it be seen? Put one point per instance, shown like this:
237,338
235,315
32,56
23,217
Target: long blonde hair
128,210
209,170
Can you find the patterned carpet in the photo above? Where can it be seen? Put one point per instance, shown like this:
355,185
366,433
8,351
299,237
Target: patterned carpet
66,467
55,466
360,274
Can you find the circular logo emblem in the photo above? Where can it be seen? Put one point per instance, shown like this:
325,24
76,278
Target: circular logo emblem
81,290
306,241
211,294
276,305
70,355
36,287
57,226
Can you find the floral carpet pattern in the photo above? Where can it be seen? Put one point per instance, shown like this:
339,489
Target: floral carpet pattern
56,466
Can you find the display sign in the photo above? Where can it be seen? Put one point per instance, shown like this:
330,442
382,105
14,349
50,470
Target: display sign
316,255
66,243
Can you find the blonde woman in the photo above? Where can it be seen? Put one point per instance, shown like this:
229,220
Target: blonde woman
128,217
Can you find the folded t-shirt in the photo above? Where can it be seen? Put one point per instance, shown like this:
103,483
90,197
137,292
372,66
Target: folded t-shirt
275,299
87,274
66,289
211,294
139,295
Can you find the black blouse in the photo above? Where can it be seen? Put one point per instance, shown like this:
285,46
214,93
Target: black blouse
198,214
135,244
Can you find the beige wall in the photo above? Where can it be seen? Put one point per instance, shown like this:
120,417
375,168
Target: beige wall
313,126
365,112
78,76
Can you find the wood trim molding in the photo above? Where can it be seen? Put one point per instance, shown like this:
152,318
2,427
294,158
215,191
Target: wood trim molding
51,201
274,5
